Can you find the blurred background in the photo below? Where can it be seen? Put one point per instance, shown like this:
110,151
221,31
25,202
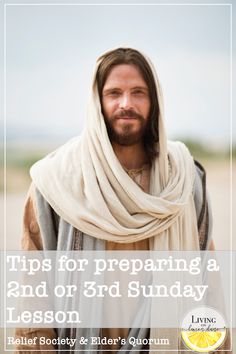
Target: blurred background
50,53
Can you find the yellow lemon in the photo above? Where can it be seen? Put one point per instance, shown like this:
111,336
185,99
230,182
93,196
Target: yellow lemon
203,342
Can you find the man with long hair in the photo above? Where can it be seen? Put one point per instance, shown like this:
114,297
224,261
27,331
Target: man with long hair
120,185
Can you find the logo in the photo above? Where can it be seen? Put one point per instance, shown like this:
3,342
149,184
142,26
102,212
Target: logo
203,330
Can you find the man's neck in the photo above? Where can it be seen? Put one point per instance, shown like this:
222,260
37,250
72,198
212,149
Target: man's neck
131,157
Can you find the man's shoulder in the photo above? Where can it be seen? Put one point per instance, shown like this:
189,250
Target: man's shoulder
204,218
200,184
200,170
199,190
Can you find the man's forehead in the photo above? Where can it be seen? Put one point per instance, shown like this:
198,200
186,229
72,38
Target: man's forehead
125,74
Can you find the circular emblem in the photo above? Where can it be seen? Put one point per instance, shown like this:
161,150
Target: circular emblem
203,329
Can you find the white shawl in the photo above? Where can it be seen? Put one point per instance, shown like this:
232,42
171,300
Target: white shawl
86,185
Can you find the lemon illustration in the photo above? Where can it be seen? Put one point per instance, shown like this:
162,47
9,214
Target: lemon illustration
203,342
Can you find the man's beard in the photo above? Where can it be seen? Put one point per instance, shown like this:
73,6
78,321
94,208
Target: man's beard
127,137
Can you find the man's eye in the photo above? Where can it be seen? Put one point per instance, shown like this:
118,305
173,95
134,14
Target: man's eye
114,93
138,92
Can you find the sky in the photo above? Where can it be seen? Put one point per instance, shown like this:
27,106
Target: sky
51,52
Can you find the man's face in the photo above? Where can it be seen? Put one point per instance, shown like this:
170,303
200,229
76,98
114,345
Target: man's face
125,105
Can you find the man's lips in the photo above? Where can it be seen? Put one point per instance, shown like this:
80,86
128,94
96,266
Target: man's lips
126,118
127,115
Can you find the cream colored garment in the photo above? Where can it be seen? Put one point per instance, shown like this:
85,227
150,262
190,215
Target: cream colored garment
87,186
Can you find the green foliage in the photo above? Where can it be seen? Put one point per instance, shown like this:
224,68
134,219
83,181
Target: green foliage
25,162
201,151
20,158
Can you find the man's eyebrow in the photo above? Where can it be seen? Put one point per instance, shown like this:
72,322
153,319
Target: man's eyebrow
111,89
144,88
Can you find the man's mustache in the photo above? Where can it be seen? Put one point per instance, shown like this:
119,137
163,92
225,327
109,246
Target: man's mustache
129,113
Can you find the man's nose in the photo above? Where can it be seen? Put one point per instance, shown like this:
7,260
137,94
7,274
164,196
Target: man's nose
126,101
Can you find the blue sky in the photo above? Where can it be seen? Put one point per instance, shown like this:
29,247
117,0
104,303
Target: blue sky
51,52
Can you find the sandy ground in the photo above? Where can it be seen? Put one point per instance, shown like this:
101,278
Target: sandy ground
222,203
218,182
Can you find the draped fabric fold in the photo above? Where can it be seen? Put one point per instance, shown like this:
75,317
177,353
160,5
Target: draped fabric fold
86,185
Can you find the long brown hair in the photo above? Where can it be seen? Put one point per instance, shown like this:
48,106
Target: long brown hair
132,56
